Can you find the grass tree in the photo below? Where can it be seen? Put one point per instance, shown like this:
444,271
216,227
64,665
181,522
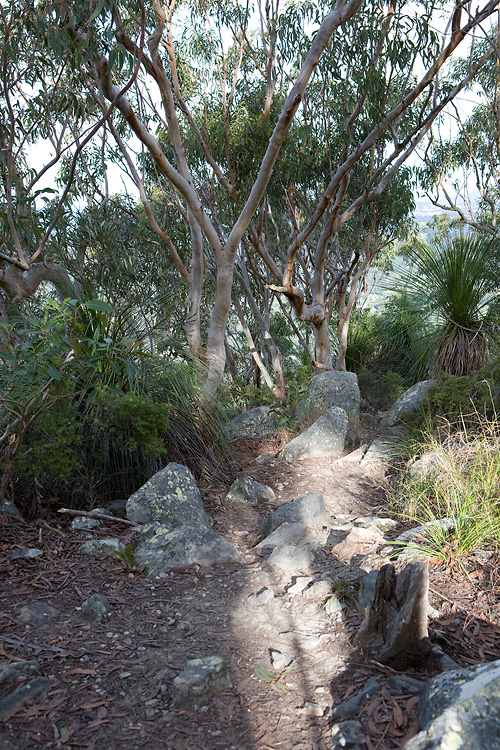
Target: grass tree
455,281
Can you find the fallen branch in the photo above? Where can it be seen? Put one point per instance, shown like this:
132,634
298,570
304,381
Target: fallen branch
96,514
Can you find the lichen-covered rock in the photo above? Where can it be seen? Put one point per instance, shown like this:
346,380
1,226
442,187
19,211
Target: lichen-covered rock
247,490
308,510
9,509
408,402
102,547
460,710
323,439
260,422
165,549
170,497
331,389
84,523
200,680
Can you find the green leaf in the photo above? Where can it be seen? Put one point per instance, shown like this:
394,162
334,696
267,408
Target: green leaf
99,305
54,374
264,674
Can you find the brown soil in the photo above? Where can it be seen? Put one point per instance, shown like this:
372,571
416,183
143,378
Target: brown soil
114,678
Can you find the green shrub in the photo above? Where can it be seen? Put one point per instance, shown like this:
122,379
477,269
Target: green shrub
380,390
50,449
132,421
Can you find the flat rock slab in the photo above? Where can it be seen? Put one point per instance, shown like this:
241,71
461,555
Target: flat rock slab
164,549
170,497
10,704
323,439
308,510
291,559
247,490
200,680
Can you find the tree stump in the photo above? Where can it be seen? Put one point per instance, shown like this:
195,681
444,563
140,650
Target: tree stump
395,625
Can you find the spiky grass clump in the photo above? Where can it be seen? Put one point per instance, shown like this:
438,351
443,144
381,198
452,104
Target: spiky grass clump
457,498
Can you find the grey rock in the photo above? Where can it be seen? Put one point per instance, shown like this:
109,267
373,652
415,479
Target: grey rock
28,553
9,509
96,606
402,546
10,704
347,734
263,597
313,709
331,389
384,449
318,590
291,559
427,464
298,584
375,522
38,613
170,497
165,549
308,510
357,455
247,490
304,641
260,422
262,458
401,683
408,402
352,706
278,660
460,710
18,669
200,680
334,608
102,547
358,541
85,523
119,508
323,439
286,533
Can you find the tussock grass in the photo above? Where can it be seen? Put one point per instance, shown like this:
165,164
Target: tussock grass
461,483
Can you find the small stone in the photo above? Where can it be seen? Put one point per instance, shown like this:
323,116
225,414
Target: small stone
38,613
318,590
151,713
247,490
263,596
102,546
352,706
200,680
263,458
28,553
299,583
313,709
278,660
403,684
347,734
96,606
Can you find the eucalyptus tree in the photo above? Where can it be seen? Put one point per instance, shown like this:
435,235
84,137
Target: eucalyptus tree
461,160
175,78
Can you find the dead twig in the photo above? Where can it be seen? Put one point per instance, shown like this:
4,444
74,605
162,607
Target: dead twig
96,514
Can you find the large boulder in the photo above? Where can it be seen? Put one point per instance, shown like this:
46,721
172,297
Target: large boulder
260,422
170,497
323,439
460,710
164,549
408,402
331,389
